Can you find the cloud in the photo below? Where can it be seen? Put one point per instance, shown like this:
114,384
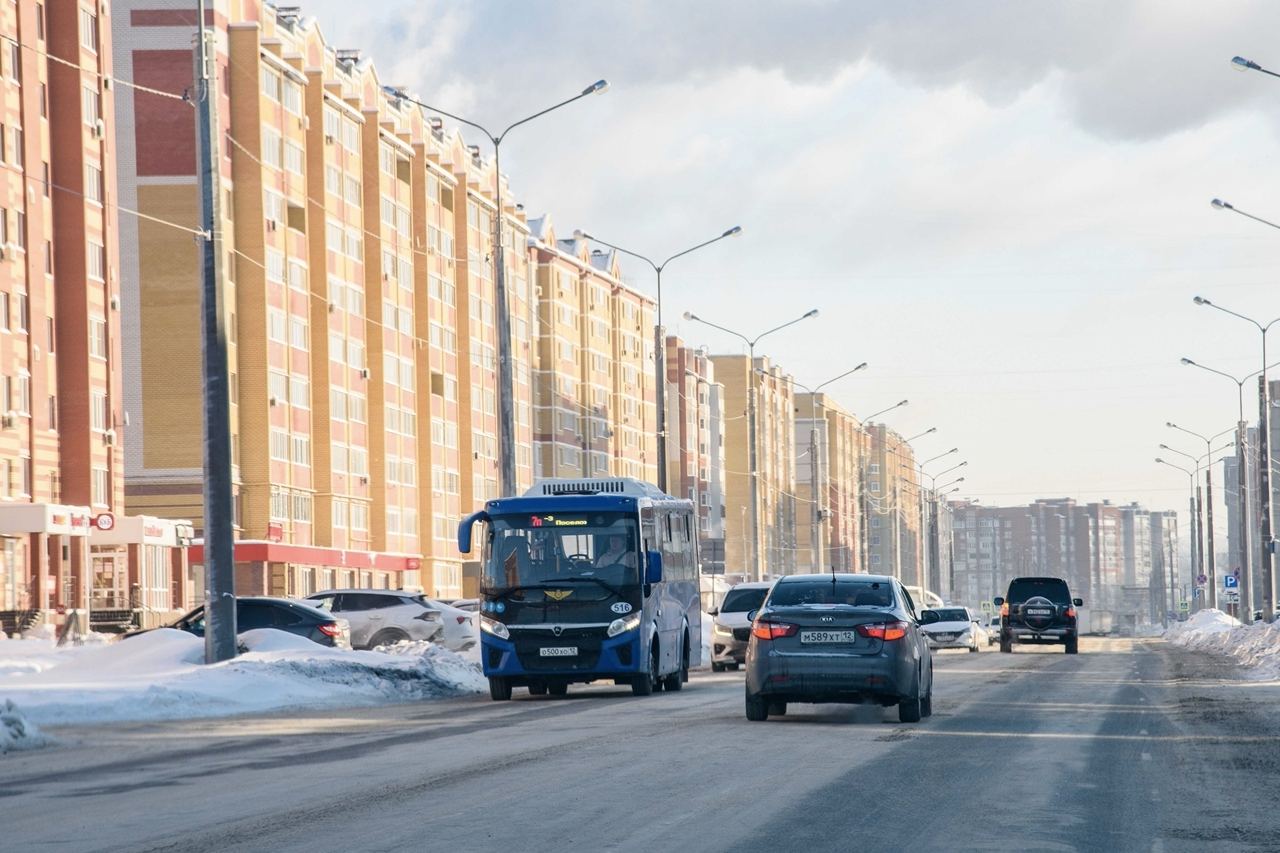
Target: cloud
1130,68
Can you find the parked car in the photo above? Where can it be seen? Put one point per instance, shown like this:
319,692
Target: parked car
730,627
470,605
382,616
952,628
993,630
283,614
1038,611
838,638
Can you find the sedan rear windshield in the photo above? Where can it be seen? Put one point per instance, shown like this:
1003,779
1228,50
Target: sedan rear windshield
857,593
1054,589
952,615
742,600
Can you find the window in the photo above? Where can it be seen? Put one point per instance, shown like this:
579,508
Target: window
23,317
88,30
271,84
271,143
97,260
293,98
90,105
298,336
92,183
99,413
279,445
300,391
98,337
302,507
359,517
276,325
340,514
101,487
293,158
279,504
301,446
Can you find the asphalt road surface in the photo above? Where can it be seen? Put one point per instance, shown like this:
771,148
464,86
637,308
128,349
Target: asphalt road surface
1129,746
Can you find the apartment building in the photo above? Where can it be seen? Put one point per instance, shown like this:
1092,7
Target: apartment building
695,452
61,414
891,505
828,494
594,411
990,546
775,537
363,340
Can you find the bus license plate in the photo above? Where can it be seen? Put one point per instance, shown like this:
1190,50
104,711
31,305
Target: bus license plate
558,651
828,636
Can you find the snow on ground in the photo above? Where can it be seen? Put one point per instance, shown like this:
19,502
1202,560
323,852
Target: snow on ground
17,732
159,675
1256,647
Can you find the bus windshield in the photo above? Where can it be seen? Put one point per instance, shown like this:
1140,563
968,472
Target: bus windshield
555,548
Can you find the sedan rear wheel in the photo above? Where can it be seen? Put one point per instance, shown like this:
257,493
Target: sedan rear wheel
757,708
911,707
777,709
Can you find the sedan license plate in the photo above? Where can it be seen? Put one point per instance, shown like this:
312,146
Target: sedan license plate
828,636
558,651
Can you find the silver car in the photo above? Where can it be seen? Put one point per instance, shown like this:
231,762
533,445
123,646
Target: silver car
380,617
952,628
838,638
730,627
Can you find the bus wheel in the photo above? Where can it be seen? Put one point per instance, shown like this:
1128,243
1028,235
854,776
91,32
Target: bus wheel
643,685
499,689
676,680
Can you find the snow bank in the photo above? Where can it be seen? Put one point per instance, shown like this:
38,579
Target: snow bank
159,675
1256,647
17,732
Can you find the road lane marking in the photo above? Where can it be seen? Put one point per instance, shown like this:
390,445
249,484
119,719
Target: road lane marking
1081,736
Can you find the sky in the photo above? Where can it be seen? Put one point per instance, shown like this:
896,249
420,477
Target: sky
1002,207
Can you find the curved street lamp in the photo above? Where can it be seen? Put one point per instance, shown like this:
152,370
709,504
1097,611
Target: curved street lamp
502,308
753,475
659,342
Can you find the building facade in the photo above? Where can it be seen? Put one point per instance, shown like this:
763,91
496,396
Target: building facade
828,492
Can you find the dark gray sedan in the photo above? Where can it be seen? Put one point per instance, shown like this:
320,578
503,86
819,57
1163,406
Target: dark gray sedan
838,638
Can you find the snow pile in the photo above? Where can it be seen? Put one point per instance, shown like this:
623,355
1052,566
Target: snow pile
159,675
16,732
1255,647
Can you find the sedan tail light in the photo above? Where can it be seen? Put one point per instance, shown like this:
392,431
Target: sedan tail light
329,629
462,620
883,631
1004,609
773,630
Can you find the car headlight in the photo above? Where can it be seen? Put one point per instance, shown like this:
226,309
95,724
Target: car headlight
623,625
494,627
722,630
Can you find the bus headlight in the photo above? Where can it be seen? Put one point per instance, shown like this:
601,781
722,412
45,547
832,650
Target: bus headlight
494,627
623,625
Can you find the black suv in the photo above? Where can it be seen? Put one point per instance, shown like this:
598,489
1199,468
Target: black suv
1038,610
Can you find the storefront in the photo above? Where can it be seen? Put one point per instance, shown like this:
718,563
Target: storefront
274,568
44,563
140,569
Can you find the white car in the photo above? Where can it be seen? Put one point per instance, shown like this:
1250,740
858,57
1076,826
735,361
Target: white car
953,628
993,630
383,616
730,628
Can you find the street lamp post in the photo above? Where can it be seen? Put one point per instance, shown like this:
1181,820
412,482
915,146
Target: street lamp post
659,342
1208,496
697,448
1191,480
502,307
816,482
1267,552
1242,479
752,473
862,492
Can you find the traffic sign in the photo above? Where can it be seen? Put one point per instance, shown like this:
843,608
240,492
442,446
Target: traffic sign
1202,580
1184,607
987,607
1229,596
1231,582
104,521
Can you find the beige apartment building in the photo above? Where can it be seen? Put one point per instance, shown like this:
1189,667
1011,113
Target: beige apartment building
359,233
828,433
695,458
775,538
594,413
892,505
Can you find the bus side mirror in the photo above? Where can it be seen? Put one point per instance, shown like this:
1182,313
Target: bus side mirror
464,530
653,567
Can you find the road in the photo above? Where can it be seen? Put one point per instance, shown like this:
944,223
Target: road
1130,745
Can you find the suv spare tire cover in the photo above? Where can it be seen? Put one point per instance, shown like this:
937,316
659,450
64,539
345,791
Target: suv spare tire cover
1038,612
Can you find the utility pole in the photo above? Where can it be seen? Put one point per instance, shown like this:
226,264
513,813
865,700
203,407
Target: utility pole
815,512
219,532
